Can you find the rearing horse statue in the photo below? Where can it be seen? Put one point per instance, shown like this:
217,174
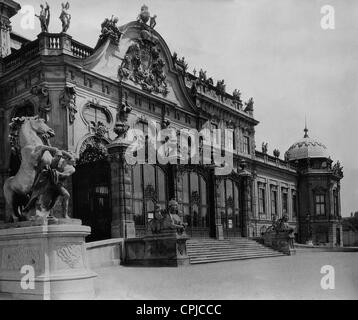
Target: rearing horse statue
30,135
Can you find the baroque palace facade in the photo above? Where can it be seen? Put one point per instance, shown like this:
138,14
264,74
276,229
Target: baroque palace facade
89,96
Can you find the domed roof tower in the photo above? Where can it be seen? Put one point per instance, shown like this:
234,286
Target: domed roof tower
307,148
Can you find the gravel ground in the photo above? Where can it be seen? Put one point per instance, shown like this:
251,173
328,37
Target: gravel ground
289,277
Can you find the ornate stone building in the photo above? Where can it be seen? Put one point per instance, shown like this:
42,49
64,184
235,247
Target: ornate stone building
92,96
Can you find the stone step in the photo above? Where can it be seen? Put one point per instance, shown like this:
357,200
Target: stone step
212,250
227,251
237,254
232,258
225,246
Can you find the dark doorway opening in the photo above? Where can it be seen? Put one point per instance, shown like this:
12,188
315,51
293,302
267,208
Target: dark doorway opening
92,198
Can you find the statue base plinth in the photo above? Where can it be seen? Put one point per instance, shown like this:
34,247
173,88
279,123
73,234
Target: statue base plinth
163,249
48,261
280,241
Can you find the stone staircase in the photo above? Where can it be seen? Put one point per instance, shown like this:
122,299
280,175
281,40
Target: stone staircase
212,250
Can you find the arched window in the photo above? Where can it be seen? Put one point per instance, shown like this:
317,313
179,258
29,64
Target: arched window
149,188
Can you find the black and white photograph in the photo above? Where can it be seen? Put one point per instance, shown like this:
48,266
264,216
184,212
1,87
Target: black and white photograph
178,150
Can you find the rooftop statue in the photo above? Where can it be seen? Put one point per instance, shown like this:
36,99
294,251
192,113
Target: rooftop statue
153,22
39,182
264,147
44,17
237,98
221,87
202,75
144,15
249,105
338,169
109,28
65,17
276,153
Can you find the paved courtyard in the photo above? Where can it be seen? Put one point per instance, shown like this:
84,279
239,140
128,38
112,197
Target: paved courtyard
296,277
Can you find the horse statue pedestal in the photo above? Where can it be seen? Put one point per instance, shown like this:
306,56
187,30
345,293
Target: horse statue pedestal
162,249
45,259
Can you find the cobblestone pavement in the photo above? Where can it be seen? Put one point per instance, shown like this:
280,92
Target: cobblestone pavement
295,277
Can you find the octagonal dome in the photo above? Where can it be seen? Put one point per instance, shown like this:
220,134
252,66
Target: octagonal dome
307,148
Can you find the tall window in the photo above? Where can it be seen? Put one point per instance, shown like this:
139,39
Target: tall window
273,201
246,148
294,205
194,200
320,204
229,201
335,203
284,201
262,199
149,188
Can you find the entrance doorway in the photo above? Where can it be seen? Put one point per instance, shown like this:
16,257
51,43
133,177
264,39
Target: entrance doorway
230,208
195,204
92,199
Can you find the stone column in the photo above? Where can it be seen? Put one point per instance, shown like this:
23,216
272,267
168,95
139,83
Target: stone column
121,181
246,183
219,231
7,10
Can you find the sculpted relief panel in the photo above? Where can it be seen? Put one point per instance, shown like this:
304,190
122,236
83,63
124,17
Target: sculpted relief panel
69,256
13,258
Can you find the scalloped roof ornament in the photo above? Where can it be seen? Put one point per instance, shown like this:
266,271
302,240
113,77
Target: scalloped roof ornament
307,148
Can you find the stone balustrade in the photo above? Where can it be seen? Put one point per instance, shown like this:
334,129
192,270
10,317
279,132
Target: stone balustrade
51,44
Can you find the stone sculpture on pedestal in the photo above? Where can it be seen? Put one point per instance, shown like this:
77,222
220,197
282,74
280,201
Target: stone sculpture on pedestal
280,236
165,242
53,248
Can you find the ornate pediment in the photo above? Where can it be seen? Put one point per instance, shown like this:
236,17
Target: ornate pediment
143,65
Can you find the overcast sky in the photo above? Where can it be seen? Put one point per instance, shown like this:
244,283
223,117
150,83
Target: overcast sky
272,50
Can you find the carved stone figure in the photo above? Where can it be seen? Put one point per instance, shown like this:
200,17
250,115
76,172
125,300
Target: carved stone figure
152,22
49,185
44,17
144,15
39,182
167,220
264,147
202,75
338,169
237,99
156,223
276,153
121,127
249,105
143,65
44,100
220,87
68,101
172,219
65,17
109,29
